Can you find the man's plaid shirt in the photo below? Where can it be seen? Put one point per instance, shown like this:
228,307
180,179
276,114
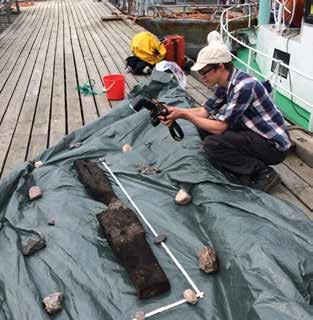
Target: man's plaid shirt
245,101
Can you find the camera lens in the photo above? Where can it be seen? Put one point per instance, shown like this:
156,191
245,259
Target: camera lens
155,121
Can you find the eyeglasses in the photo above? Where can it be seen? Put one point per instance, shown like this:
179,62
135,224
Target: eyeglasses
205,70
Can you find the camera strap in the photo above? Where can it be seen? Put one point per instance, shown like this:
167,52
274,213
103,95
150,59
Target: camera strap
176,131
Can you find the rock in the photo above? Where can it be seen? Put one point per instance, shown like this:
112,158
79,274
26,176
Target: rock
160,238
75,145
127,148
34,193
33,245
53,302
140,315
51,222
190,296
38,164
183,197
208,260
147,170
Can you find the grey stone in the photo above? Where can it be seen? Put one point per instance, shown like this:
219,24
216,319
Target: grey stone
190,296
34,193
33,245
127,148
53,302
183,197
208,260
75,145
51,222
140,315
160,238
38,164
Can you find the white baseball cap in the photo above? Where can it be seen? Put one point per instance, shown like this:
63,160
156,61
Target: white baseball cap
214,36
215,52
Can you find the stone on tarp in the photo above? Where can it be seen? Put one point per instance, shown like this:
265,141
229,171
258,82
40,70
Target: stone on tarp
127,148
140,315
208,261
33,244
148,170
53,302
34,193
38,164
190,296
51,222
75,145
160,238
183,197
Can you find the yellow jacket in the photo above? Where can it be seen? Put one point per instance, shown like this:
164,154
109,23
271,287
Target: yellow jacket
147,47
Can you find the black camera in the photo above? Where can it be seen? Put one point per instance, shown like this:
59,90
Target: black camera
157,109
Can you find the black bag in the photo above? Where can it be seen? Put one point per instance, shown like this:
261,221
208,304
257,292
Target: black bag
138,66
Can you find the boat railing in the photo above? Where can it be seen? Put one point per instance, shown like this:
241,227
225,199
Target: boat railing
155,8
274,78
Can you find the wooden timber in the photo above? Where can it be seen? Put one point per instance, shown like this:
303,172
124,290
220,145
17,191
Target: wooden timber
124,232
54,46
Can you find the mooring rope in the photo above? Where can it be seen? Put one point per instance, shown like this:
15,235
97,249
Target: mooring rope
87,89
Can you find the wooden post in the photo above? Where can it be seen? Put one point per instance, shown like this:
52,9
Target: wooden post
94,180
125,234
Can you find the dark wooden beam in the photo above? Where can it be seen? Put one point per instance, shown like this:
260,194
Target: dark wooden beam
125,233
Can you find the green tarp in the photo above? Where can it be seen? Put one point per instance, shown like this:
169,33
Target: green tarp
264,245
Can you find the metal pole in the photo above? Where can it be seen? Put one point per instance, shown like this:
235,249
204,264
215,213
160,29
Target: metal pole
275,79
264,12
249,61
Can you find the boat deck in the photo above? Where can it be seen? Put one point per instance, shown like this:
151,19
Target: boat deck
56,45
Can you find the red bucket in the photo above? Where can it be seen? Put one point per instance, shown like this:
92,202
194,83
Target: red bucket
114,85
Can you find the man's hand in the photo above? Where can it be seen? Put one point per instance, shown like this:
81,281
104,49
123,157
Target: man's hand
197,116
173,114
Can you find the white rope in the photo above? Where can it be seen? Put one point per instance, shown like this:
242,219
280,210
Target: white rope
179,266
165,308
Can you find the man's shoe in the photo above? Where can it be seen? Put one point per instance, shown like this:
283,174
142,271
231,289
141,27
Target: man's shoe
265,180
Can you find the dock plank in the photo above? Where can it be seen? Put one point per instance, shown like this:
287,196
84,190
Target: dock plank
13,96
98,41
40,132
10,33
296,185
10,52
58,112
23,129
300,168
73,105
94,63
109,44
86,65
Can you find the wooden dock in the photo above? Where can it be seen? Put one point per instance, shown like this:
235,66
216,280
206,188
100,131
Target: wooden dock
56,45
